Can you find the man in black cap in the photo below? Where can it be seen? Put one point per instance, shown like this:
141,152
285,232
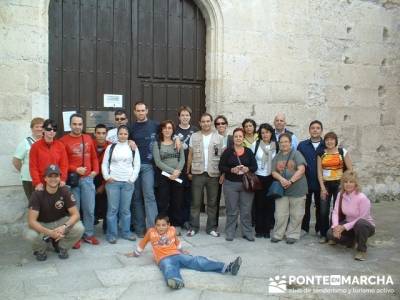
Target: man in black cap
53,216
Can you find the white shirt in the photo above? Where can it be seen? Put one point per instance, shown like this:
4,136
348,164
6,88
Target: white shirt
121,168
112,135
316,144
262,170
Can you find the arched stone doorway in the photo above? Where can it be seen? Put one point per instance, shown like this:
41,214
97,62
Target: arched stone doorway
141,49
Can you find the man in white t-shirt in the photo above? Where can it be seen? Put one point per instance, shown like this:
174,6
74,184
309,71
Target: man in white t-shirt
205,149
120,118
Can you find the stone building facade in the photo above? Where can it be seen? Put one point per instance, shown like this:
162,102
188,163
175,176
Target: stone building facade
333,60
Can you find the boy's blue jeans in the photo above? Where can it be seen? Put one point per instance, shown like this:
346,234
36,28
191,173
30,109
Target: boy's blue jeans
170,266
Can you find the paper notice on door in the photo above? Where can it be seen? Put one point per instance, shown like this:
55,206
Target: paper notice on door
167,175
112,100
66,115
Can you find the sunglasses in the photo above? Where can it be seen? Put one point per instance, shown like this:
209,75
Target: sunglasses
220,123
51,129
120,119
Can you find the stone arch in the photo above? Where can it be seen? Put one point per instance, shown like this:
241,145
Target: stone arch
212,14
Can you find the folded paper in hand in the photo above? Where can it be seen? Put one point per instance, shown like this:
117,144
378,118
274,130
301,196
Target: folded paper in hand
168,175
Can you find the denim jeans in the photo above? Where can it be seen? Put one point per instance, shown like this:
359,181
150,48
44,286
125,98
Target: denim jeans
144,205
84,195
119,197
170,266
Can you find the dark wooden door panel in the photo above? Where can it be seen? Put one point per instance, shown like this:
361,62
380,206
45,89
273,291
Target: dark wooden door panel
150,50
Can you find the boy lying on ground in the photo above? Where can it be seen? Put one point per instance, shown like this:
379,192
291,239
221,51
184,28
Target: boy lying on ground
168,254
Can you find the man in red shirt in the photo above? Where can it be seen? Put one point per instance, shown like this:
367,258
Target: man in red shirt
100,142
82,159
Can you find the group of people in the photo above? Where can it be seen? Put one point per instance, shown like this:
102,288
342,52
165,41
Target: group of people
139,175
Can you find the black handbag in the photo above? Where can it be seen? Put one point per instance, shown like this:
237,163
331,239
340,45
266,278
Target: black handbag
276,190
73,177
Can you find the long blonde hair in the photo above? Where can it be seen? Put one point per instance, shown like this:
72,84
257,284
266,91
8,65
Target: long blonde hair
351,176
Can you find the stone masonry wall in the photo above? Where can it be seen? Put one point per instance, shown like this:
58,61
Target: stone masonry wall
333,60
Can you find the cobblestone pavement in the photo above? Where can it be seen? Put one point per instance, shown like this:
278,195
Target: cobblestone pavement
102,272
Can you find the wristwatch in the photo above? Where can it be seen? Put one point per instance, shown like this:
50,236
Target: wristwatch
66,225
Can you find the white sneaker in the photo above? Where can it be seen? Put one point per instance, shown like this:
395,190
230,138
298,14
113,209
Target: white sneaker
214,233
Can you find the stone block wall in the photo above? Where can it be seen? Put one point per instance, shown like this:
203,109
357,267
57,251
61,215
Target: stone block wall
333,60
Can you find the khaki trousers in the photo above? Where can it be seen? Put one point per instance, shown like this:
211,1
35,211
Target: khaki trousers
73,234
289,212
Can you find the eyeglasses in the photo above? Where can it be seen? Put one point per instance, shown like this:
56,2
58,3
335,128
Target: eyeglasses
120,119
220,123
51,129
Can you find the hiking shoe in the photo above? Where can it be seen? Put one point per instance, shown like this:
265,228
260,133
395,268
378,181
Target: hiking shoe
63,254
249,238
40,255
191,233
322,240
275,240
77,245
175,284
112,241
331,242
360,255
131,237
234,266
290,241
214,233
91,240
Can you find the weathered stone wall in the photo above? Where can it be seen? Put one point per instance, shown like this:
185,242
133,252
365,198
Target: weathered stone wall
333,60
23,93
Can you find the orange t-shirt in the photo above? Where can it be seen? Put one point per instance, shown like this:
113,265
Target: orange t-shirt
163,244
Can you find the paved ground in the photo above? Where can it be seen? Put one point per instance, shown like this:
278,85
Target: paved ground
101,272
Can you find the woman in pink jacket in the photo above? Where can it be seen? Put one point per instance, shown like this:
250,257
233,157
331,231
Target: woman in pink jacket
352,222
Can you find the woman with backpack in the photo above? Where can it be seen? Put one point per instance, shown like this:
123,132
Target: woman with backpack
170,162
331,163
120,169
264,150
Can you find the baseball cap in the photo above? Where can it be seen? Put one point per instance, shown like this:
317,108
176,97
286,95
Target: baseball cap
52,169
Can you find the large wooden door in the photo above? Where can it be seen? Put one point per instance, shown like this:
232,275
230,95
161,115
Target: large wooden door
150,50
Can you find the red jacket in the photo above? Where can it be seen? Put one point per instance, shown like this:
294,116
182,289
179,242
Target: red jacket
73,146
42,155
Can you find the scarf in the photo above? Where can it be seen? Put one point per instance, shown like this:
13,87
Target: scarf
267,154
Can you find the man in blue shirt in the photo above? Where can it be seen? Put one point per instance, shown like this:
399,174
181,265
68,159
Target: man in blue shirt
310,149
144,205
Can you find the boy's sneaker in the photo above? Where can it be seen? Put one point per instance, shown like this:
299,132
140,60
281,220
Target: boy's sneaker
40,255
77,245
63,254
91,240
175,284
234,266
331,242
360,255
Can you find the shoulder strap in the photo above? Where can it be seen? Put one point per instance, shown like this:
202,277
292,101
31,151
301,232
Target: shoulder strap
257,145
110,155
30,140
